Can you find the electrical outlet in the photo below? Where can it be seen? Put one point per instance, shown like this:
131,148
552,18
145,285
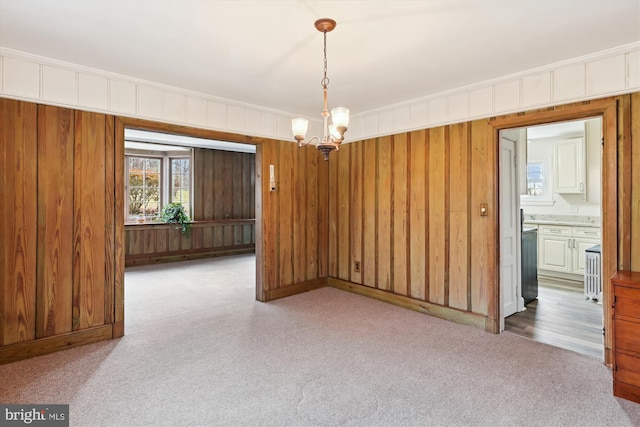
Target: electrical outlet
356,266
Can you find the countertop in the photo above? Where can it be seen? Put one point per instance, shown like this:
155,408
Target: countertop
566,220
566,223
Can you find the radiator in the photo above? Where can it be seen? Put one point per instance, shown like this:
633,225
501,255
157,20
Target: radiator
592,274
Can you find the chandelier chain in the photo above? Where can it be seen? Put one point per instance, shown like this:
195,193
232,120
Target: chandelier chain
325,81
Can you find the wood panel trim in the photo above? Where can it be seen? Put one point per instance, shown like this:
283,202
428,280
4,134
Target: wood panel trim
20,351
110,220
624,182
323,217
609,219
343,231
384,219
442,312
89,220
18,151
298,288
55,221
574,111
311,219
635,181
285,191
260,195
483,245
270,224
119,244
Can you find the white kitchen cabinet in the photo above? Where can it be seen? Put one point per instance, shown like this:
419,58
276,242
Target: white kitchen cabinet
562,248
569,166
583,239
554,248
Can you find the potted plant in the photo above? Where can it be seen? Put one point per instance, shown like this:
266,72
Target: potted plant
175,213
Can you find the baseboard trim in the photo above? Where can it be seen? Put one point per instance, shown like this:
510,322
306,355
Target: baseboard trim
567,280
118,329
447,313
298,288
25,350
150,259
626,391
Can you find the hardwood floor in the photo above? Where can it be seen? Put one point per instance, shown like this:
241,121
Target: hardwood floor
561,317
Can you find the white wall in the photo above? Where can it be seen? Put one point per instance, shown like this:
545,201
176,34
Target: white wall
48,81
541,150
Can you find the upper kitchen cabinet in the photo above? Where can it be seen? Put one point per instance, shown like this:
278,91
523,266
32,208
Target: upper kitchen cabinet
569,166
561,168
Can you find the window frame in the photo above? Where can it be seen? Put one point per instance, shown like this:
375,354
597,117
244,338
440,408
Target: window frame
165,158
546,199
542,180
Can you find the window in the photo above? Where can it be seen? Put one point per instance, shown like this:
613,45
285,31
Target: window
144,187
155,176
535,179
180,182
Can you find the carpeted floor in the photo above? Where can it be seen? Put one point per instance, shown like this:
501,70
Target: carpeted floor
200,351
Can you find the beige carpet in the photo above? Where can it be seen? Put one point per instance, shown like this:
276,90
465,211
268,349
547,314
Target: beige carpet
199,351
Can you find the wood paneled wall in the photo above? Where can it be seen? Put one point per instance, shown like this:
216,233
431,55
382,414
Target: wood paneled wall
153,243
406,208
224,185
58,233
401,217
292,239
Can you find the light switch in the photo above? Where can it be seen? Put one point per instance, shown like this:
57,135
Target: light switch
272,177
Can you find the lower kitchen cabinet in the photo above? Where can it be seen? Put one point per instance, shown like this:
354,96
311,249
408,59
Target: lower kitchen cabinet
562,248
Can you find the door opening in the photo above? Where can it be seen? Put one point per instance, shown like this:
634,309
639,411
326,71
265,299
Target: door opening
212,181
550,187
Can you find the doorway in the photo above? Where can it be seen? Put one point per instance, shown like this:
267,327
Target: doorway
550,215
220,222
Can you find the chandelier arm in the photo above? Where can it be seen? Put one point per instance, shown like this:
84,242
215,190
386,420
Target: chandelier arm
307,142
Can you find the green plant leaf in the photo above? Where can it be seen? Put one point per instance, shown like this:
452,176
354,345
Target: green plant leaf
175,213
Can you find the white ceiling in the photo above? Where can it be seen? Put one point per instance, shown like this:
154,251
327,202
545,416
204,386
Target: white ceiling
268,53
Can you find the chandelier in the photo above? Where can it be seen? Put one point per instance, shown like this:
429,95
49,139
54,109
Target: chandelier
334,132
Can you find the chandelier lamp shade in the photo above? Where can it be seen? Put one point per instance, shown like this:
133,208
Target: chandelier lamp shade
334,132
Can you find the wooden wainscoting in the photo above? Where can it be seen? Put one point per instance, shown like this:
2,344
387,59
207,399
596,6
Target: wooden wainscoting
292,218
405,220
58,237
154,243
